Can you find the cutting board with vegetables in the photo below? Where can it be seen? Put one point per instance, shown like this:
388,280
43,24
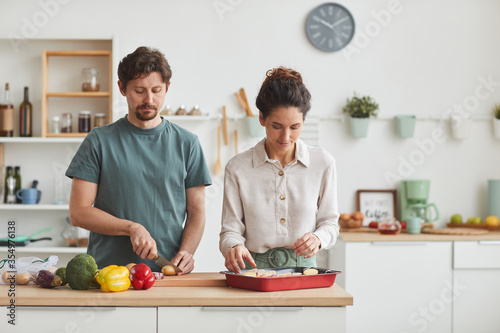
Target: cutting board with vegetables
192,280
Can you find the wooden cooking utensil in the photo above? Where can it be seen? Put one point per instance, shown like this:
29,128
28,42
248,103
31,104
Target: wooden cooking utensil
224,123
244,98
217,167
240,101
236,141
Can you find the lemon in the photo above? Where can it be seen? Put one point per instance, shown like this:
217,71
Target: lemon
491,221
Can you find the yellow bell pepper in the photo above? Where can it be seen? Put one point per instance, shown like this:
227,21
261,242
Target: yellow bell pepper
113,278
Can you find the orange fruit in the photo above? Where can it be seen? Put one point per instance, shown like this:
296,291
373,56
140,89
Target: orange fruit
492,221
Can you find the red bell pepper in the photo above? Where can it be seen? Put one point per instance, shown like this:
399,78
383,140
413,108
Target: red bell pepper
141,276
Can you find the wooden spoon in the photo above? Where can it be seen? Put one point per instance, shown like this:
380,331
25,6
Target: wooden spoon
236,141
217,163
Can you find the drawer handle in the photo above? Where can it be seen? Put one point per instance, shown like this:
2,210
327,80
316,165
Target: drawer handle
252,308
490,242
66,308
400,243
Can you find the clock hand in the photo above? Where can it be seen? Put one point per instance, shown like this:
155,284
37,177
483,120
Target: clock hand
338,22
326,23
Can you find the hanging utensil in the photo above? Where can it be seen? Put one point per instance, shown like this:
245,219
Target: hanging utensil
224,123
217,167
236,142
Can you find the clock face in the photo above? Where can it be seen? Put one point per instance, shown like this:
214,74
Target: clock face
330,27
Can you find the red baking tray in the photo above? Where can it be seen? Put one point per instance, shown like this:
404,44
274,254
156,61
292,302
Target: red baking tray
324,278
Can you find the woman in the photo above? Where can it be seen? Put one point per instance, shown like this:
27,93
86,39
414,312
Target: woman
280,197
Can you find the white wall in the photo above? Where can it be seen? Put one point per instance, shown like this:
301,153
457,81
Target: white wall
426,58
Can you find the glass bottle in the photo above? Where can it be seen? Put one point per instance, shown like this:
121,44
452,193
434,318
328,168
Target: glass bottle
7,114
8,175
17,177
25,115
67,120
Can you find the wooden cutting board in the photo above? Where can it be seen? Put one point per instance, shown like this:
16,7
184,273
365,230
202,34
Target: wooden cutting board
193,280
455,231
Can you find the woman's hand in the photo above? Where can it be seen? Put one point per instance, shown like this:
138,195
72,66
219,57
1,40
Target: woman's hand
307,245
236,256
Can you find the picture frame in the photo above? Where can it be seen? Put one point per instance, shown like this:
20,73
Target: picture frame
376,205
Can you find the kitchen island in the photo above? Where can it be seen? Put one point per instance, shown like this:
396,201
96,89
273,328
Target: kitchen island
162,309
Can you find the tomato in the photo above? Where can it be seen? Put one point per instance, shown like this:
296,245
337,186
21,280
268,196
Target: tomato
373,225
403,224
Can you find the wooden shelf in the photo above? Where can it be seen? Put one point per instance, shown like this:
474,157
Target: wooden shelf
79,94
66,135
72,94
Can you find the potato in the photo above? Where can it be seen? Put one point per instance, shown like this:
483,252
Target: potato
23,278
310,271
168,270
6,276
345,217
358,216
129,266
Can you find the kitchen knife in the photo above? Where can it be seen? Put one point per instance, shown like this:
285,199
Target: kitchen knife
162,262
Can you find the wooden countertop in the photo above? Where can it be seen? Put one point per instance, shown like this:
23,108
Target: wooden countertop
33,295
405,237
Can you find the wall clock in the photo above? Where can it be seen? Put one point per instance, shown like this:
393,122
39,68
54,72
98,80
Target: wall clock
330,27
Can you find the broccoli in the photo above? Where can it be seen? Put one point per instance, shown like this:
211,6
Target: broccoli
81,271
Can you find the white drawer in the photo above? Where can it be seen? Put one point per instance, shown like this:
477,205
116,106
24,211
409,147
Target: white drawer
250,319
84,319
477,254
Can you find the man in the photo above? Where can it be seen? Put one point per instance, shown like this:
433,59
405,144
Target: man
137,181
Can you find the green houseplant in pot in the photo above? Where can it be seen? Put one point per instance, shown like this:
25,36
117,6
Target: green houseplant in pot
360,109
496,121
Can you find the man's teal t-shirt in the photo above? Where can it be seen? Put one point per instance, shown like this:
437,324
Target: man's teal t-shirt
142,176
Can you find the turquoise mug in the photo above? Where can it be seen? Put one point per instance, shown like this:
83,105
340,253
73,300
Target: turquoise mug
413,224
29,196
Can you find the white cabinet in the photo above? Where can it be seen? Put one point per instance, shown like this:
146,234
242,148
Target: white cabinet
477,287
251,319
82,319
397,286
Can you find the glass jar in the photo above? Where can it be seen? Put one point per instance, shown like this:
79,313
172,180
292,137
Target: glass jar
67,120
75,236
99,119
84,121
90,79
56,125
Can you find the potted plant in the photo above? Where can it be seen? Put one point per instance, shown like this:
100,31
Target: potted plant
496,121
360,109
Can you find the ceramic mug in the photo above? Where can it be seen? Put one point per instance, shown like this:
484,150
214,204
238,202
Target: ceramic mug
29,196
413,224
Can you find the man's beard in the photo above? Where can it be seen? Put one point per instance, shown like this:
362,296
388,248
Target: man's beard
146,117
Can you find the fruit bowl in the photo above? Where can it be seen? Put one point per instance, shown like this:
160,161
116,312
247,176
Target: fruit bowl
350,224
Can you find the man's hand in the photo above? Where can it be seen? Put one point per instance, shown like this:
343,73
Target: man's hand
142,243
307,245
236,256
184,261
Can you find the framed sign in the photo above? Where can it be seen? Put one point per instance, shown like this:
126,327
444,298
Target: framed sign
376,205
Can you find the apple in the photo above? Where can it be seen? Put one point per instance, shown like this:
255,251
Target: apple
492,221
474,220
373,225
456,218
